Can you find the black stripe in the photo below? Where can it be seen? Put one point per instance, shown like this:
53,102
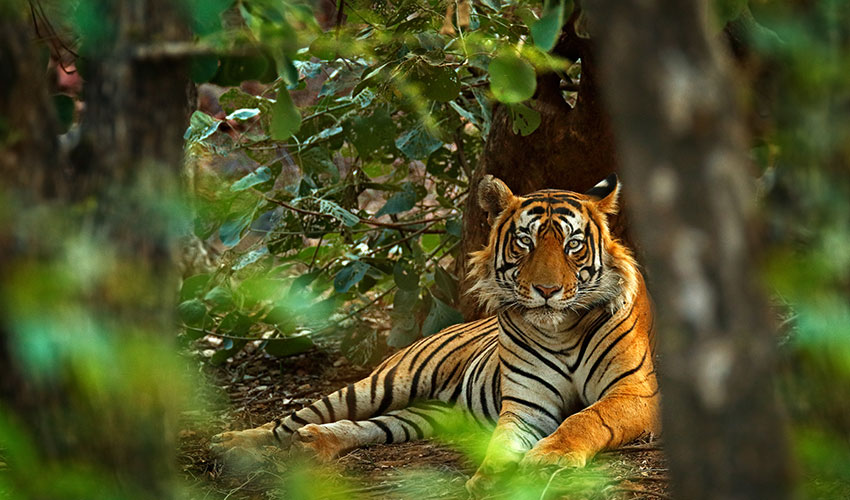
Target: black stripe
387,397
423,414
380,425
413,425
414,384
591,332
533,406
274,430
515,339
624,375
351,402
317,412
298,420
330,408
540,380
436,371
602,356
373,388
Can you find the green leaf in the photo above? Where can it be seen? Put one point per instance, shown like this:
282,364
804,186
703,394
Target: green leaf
203,68
371,133
341,214
236,69
446,283
512,79
403,200
250,257
439,317
286,120
258,176
418,143
454,227
235,99
64,106
288,346
192,312
243,114
220,298
231,231
402,335
201,126
318,161
438,83
525,119
546,30
405,276
350,275
193,286
405,300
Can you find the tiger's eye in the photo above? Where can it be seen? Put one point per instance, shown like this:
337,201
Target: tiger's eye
526,241
574,244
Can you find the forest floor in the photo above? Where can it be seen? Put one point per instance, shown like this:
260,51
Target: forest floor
254,388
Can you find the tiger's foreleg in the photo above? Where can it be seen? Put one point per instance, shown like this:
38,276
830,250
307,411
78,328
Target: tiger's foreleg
356,401
609,423
328,441
514,435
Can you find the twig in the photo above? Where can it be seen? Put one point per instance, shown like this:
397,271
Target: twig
251,478
401,226
641,491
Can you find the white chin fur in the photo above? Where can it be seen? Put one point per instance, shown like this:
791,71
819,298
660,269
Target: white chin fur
545,317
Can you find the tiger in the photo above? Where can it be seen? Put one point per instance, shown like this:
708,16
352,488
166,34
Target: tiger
562,370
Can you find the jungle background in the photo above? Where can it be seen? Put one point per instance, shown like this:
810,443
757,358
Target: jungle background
214,211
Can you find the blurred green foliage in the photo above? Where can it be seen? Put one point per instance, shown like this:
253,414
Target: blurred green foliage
805,154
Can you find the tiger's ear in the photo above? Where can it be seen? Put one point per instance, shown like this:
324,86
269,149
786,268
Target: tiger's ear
493,197
606,194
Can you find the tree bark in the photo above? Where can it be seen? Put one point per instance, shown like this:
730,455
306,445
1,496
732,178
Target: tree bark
573,148
679,131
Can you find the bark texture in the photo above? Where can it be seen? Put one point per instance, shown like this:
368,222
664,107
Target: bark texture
681,140
573,148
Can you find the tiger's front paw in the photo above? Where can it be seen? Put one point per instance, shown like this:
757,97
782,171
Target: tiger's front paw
243,450
550,455
486,480
254,438
319,442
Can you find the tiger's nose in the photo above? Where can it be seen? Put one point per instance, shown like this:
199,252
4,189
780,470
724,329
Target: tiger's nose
547,291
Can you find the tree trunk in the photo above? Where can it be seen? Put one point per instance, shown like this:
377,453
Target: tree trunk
682,144
573,148
103,414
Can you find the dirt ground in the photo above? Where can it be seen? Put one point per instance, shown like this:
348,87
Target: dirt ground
255,388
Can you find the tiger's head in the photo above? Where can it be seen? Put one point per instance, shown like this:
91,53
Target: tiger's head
551,254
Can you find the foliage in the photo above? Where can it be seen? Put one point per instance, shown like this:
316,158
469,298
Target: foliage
354,194
805,160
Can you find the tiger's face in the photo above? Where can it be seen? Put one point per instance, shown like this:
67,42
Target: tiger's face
550,253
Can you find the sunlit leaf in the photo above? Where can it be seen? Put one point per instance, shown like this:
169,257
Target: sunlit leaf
243,114
512,79
525,120
258,176
546,30
286,119
343,215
